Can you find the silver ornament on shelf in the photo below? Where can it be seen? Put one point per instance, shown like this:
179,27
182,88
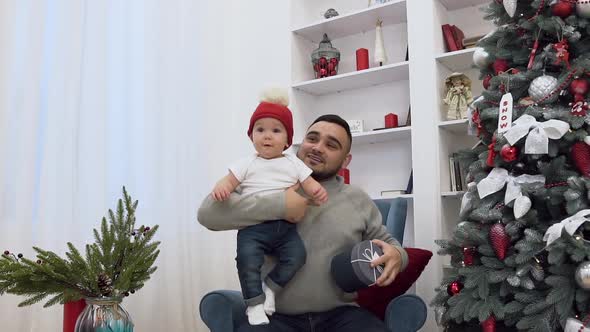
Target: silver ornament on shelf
481,58
583,275
510,6
331,13
543,86
583,8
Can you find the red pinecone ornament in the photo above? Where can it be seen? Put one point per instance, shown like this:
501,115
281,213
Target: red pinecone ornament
581,157
489,325
500,240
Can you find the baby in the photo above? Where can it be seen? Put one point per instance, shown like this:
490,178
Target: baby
268,171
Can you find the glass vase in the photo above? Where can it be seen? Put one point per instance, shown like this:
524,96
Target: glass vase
104,315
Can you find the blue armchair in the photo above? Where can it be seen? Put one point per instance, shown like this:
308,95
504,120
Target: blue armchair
223,310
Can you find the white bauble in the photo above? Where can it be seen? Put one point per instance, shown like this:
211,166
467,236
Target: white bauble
481,58
541,87
583,8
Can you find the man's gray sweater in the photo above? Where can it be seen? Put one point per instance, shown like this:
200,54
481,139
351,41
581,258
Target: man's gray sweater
348,217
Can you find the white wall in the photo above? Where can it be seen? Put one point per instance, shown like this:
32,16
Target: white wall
245,49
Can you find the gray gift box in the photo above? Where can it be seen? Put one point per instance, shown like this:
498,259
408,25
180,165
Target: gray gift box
351,269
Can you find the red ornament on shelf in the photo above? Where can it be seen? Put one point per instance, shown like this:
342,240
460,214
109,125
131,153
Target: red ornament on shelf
489,325
454,288
500,66
562,9
486,81
500,240
581,157
468,256
509,153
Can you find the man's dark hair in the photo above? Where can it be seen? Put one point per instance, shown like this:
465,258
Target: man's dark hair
333,118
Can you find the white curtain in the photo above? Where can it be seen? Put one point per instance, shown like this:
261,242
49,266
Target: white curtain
95,95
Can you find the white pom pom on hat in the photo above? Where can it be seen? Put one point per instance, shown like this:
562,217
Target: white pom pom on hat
276,96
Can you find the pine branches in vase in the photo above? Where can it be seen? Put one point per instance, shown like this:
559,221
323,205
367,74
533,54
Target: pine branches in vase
117,264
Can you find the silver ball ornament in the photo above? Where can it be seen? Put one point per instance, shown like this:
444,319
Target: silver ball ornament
583,275
541,87
481,58
583,8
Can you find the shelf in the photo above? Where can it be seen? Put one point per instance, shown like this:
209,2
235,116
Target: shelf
378,136
406,196
393,12
458,60
452,194
455,126
458,4
356,79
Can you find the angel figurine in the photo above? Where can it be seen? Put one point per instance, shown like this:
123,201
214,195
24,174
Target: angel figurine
458,96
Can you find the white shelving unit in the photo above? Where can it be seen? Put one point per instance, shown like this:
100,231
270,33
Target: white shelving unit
382,160
455,126
355,80
393,12
457,60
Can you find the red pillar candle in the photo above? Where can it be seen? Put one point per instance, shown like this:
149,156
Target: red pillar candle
391,121
71,312
345,173
362,59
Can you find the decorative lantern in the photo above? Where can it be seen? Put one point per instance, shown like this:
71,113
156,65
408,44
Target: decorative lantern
325,59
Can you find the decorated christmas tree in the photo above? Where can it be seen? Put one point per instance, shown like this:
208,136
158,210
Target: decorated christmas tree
117,264
520,254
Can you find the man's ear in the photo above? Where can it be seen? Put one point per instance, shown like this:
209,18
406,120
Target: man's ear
347,160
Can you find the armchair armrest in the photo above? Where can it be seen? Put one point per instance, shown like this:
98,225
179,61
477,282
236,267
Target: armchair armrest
405,313
222,310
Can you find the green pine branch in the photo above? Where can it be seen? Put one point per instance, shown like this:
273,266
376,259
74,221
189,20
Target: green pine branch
122,253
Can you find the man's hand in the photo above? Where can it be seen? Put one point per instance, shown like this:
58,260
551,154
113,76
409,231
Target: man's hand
295,205
392,260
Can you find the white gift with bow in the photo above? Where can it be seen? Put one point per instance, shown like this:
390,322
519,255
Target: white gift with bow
499,177
570,224
537,141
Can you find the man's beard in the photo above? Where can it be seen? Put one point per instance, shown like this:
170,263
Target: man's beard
321,176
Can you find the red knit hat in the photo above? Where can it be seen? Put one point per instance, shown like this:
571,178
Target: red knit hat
274,105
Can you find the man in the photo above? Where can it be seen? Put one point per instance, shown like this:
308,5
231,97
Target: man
311,301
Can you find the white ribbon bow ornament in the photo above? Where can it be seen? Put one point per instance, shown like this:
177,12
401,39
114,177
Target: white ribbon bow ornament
570,225
537,141
496,180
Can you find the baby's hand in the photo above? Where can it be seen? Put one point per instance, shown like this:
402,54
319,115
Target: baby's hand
221,191
319,195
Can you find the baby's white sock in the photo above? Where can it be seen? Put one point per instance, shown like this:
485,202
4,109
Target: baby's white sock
269,302
256,315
